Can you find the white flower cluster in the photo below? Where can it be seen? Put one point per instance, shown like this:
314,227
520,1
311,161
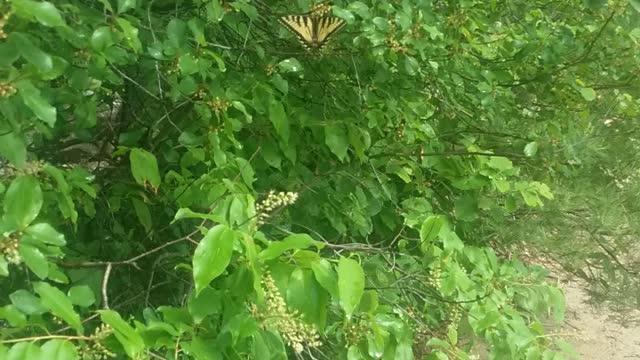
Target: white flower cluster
98,351
3,21
290,325
6,89
274,201
9,248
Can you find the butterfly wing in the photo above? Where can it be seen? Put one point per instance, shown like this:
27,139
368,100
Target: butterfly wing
302,26
325,27
313,31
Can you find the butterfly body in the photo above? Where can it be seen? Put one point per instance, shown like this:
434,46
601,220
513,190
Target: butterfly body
314,28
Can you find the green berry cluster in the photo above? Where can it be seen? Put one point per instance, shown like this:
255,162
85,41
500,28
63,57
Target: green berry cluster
296,333
9,249
274,201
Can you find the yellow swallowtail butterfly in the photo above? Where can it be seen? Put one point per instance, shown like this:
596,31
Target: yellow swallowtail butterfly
314,28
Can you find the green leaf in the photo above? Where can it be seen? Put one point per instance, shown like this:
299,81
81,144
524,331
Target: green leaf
188,64
125,5
350,284
291,242
58,349
24,351
46,234
35,260
59,305
197,29
32,53
307,296
13,147
635,4
290,65
130,34
452,334
215,11
531,149
326,276
430,230
27,303
13,316
144,168
588,94
101,38
4,266
185,213
279,119
9,52
212,256
127,336
82,295
208,302
143,213
337,139
45,12
557,303
500,163
22,201
33,99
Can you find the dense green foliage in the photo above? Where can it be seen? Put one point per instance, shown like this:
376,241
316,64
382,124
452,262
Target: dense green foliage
182,180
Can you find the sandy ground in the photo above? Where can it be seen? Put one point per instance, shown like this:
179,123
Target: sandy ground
597,337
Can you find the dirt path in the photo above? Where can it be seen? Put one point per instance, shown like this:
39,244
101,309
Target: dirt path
597,336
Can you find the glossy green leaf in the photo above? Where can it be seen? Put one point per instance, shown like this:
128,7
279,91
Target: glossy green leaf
126,5
33,53
59,304
82,295
197,29
188,214
4,266
128,337
9,52
27,302
13,148
22,201
350,284
32,97
326,276
35,260
588,94
212,255
130,34
291,242
500,163
24,351
635,4
279,119
207,302
45,12
102,38
531,149
430,230
58,349
337,140
143,213
45,234
144,167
